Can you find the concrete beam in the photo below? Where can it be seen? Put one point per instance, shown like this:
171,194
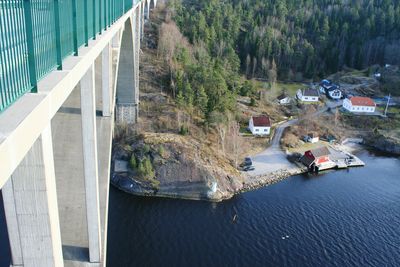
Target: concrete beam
31,208
107,81
88,108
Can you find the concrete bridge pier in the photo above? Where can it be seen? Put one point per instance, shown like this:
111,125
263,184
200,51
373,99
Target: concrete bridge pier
30,203
142,14
147,10
107,94
90,161
127,88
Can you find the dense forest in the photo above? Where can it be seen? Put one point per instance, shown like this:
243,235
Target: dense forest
275,39
303,37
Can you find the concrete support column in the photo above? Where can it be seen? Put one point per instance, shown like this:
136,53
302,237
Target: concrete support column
141,15
88,107
30,202
12,224
137,34
107,80
115,43
148,10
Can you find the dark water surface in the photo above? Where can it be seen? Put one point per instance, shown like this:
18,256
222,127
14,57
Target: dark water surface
339,218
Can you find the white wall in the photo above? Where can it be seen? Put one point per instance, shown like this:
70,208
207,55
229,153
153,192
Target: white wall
260,130
303,98
366,109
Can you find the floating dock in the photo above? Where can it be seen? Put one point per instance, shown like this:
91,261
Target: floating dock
344,160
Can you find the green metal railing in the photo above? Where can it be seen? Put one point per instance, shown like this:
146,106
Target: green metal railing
37,35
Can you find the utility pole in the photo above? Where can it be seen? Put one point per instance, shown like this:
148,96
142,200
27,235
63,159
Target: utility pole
387,105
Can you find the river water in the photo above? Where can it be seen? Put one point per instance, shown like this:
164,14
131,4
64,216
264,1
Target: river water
338,218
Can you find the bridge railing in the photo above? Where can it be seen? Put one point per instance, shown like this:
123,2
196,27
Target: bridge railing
37,35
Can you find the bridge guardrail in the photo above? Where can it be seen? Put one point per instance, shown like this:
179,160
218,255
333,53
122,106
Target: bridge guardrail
37,35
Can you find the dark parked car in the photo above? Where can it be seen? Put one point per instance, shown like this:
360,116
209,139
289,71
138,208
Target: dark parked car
248,168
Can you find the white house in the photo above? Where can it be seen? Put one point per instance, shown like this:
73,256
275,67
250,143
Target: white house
283,99
334,93
308,95
260,125
359,104
313,138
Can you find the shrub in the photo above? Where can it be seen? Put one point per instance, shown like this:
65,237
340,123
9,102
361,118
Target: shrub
148,168
184,130
161,151
146,149
133,162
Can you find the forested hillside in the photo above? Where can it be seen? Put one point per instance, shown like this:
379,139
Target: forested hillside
295,38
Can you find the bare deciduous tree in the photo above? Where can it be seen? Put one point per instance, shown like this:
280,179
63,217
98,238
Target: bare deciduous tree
235,141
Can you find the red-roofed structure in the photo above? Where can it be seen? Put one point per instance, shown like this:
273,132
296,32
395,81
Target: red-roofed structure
362,101
260,125
359,104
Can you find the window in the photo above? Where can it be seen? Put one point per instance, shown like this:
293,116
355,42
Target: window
265,130
257,130
306,98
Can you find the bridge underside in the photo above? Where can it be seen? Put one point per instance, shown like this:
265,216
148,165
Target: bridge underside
69,169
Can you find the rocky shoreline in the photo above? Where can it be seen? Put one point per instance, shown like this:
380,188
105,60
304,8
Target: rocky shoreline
251,183
384,144
259,181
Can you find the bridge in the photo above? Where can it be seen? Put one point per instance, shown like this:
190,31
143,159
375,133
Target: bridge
68,70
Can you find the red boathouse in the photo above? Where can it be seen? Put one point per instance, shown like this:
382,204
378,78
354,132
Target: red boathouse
316,157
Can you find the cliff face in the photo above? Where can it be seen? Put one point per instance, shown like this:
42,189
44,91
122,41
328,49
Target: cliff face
183,168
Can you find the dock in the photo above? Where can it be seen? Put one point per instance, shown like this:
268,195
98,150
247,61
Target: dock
344,160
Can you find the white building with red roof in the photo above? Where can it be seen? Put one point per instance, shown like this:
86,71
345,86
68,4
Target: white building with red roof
359,104
260,125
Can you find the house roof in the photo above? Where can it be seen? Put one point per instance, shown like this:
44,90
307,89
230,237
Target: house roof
333,88
362,101
282,96
326,82
320,152
261,121
310,92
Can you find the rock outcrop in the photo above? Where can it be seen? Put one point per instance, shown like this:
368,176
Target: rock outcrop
182,167
384,144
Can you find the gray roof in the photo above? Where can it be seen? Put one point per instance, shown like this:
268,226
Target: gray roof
310,92
320,152
282,96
